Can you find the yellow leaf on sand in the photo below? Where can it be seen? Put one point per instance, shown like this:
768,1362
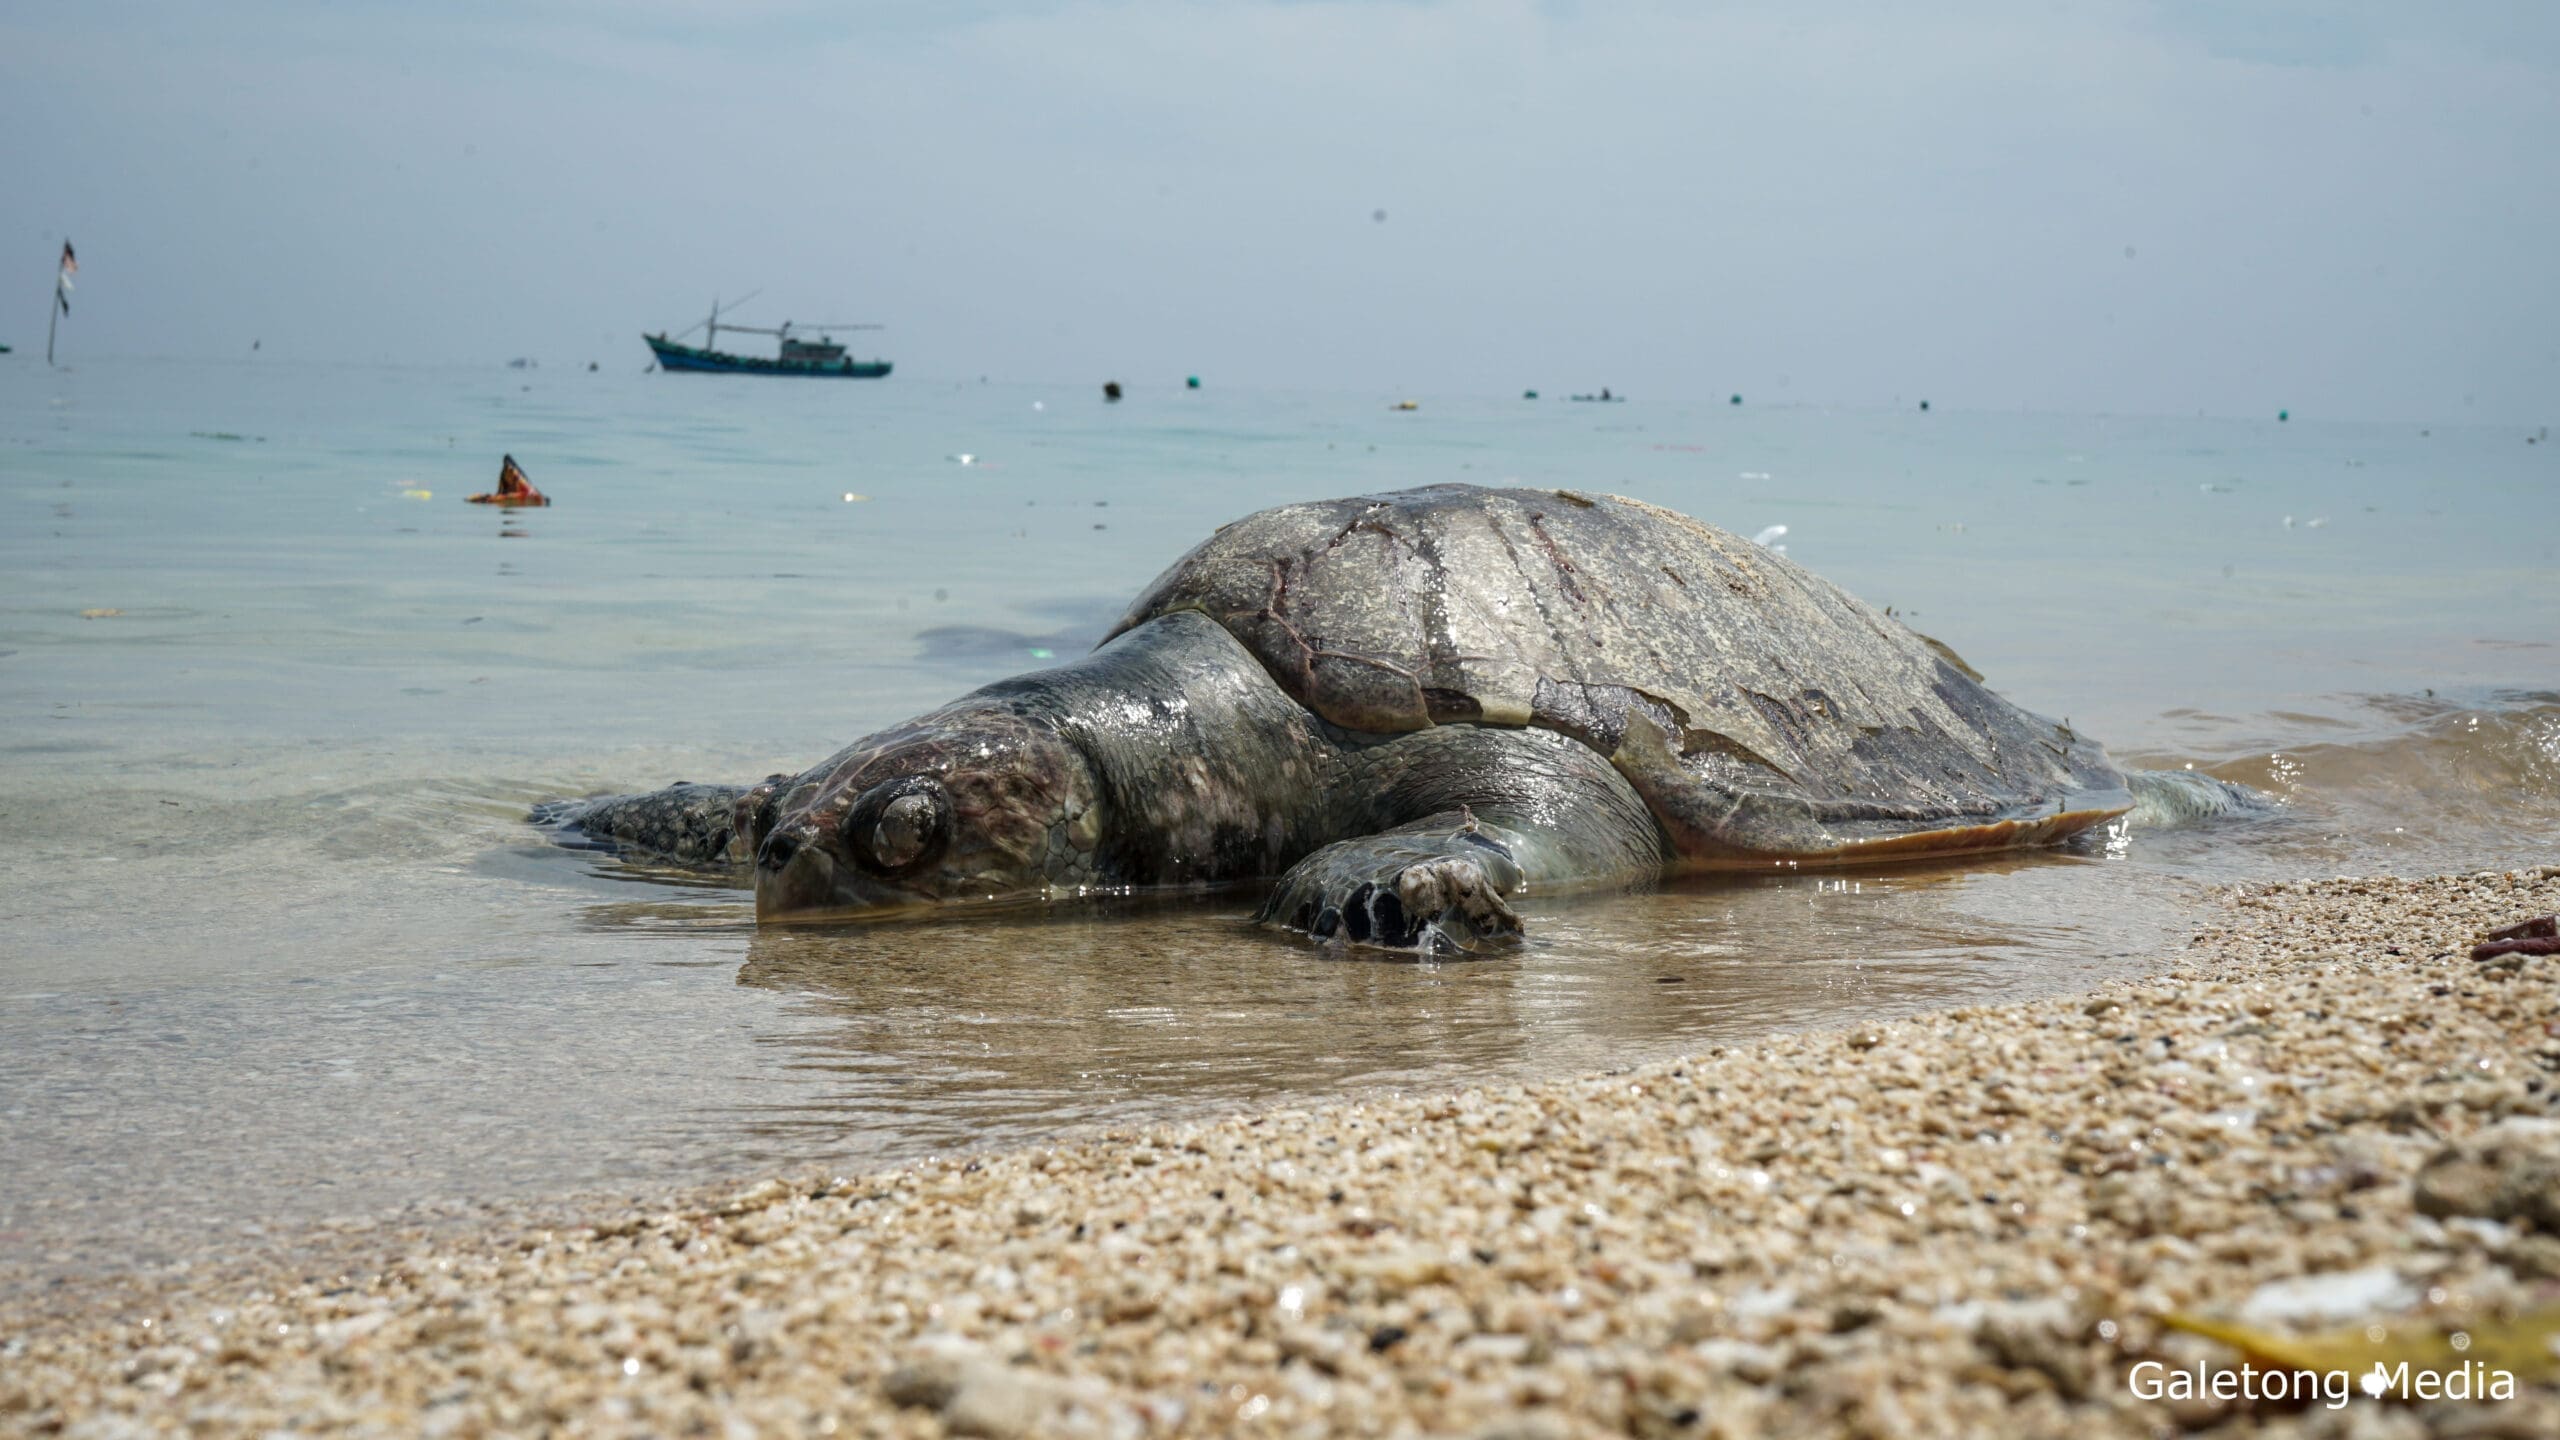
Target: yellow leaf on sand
2526,1345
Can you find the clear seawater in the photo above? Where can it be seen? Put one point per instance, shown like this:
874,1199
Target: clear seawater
275,945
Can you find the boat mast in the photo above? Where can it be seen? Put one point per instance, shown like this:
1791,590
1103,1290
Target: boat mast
712,327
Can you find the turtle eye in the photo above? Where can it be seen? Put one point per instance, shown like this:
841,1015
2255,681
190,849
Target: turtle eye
898,825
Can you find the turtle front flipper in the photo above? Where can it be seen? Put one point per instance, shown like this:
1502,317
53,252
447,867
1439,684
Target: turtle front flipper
1434,887
1460,820
685,824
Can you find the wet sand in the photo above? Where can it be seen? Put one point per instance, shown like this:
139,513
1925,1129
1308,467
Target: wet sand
1961,1223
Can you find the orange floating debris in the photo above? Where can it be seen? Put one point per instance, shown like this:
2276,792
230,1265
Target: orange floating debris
513,488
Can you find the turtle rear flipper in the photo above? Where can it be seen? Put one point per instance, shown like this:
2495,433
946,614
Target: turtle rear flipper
2164,798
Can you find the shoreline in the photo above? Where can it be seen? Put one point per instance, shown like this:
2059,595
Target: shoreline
1959,1222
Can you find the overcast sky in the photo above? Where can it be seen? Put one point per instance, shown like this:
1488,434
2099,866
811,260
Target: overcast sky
2348,209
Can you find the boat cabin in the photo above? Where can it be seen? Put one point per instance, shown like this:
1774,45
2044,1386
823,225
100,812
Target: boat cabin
822,350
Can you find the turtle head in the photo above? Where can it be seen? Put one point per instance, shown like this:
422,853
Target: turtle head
965,805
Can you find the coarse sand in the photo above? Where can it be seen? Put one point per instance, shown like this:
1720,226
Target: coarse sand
2322,1114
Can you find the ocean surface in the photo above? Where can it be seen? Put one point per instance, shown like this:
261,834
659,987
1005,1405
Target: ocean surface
277,947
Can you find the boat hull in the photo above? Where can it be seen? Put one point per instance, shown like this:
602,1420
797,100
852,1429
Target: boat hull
675,359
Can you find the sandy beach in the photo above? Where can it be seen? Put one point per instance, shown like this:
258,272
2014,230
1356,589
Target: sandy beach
2321,1116
1138,719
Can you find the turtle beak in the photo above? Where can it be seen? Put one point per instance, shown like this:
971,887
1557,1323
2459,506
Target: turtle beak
799,876
802,877
794,874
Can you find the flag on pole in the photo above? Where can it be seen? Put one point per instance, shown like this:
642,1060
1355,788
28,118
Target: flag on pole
62,282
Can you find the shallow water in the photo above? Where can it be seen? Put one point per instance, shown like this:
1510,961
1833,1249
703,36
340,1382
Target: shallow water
277,945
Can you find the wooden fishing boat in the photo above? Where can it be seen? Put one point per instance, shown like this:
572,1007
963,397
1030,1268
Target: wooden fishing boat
797,354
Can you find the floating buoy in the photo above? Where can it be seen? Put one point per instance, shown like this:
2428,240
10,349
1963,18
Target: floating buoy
513,488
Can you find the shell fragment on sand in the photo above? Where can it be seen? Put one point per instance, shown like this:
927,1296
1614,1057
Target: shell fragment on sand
2537,936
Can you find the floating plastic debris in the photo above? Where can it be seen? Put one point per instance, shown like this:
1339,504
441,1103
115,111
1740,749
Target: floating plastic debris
850,498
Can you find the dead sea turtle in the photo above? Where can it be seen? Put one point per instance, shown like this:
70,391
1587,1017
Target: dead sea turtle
1407,710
